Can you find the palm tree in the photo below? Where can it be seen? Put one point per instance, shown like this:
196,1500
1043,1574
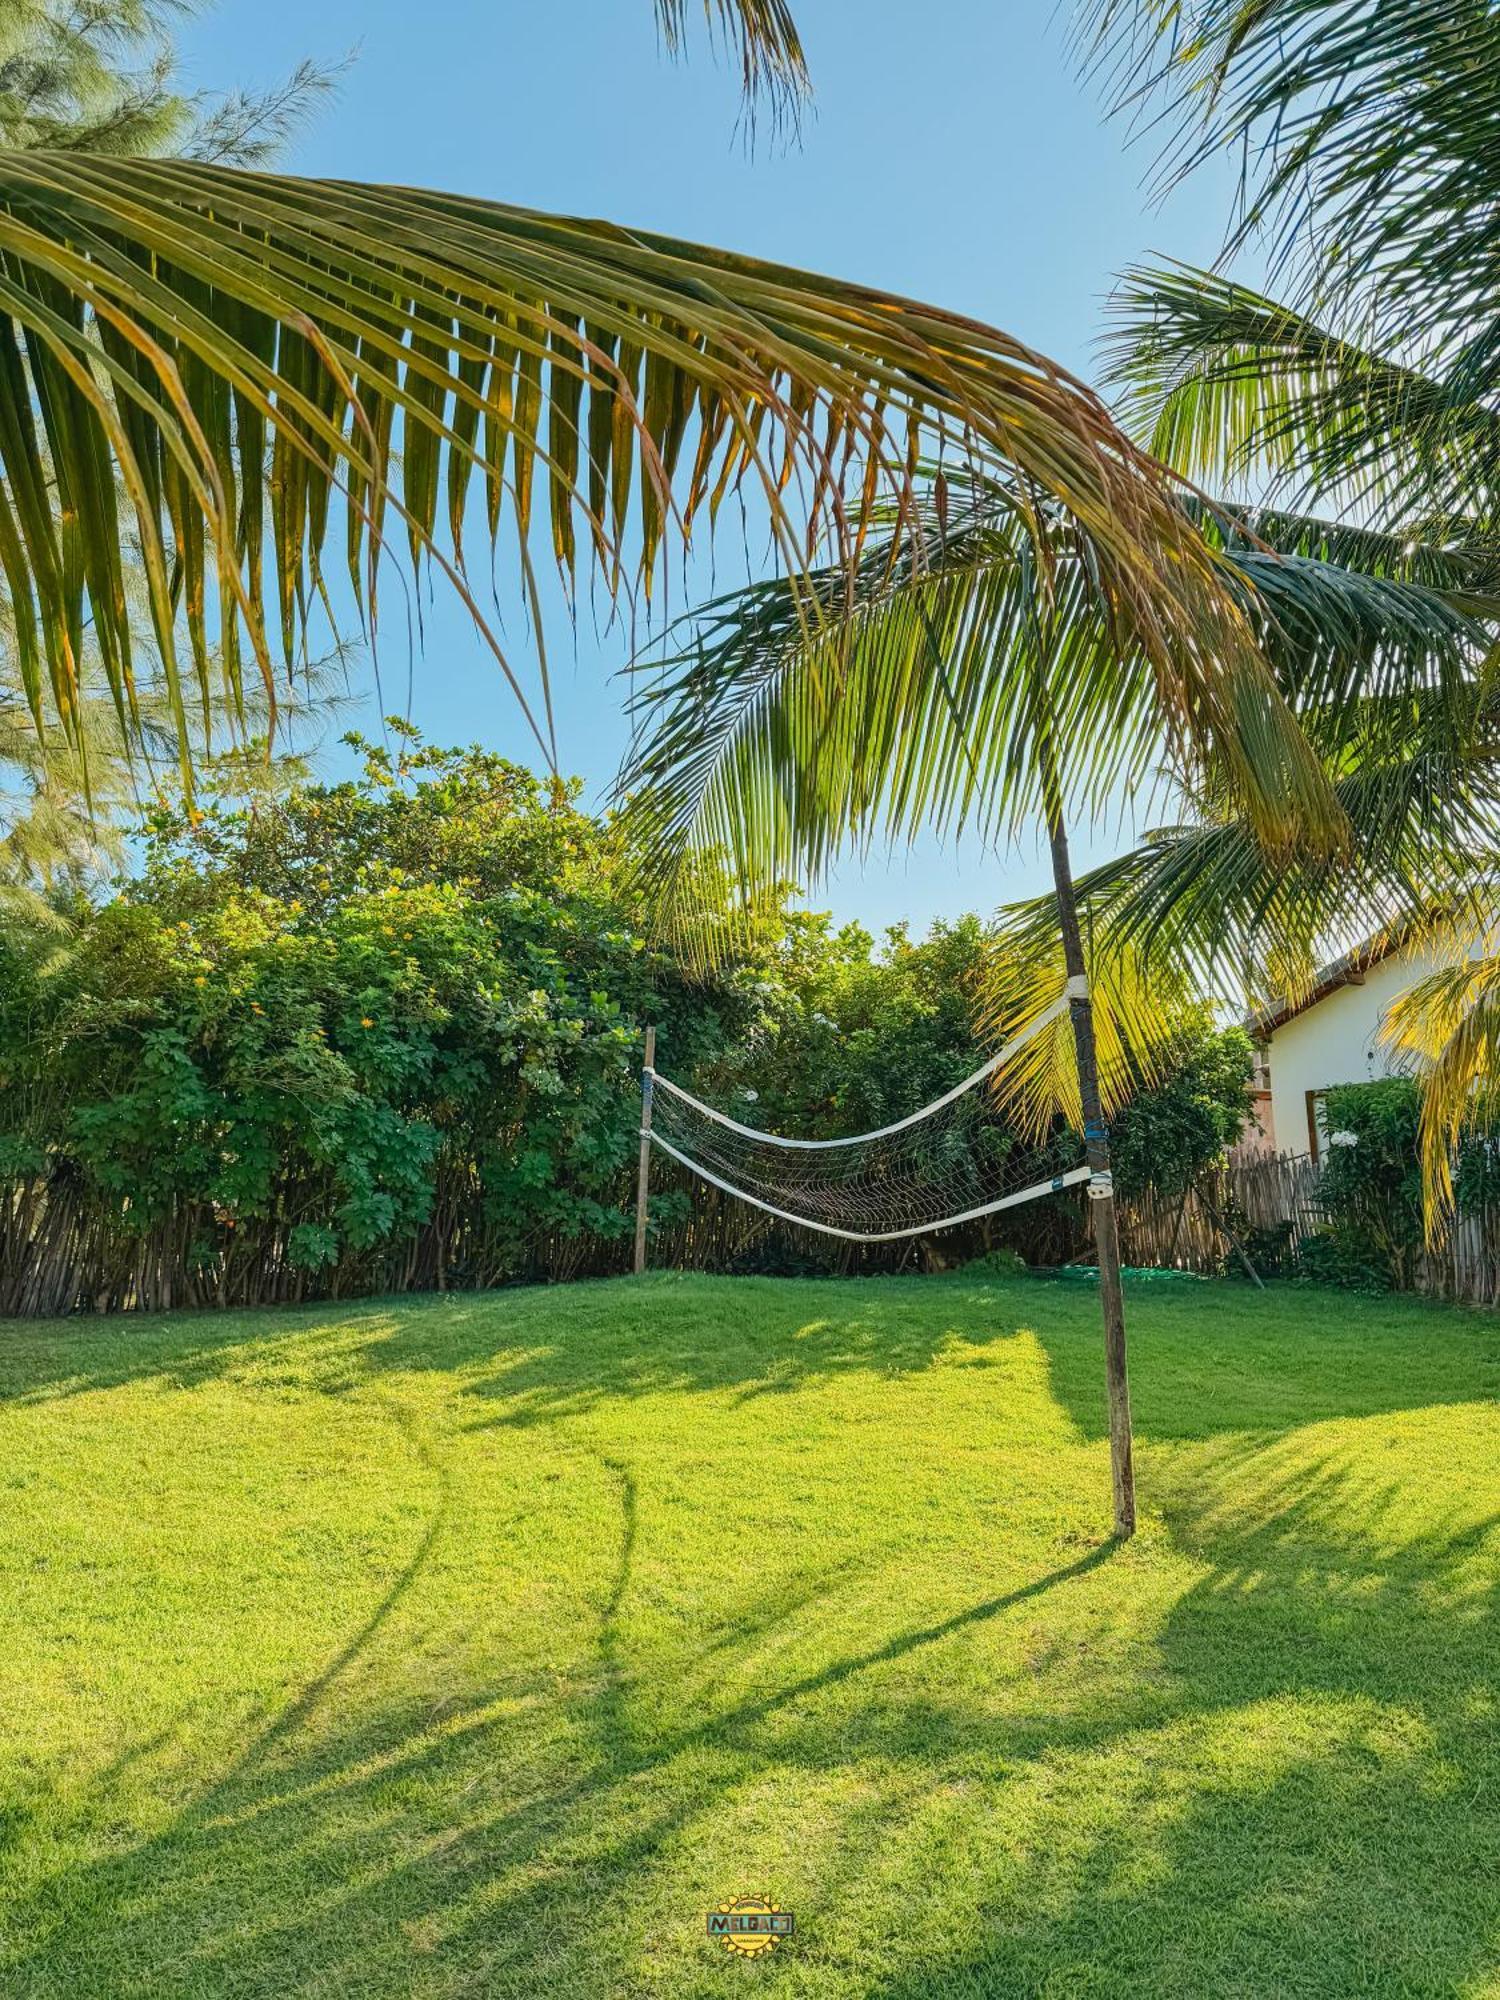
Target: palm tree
1372,173
210,368
196,365
993,683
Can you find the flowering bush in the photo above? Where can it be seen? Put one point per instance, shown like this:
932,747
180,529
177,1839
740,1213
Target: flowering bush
1370,1187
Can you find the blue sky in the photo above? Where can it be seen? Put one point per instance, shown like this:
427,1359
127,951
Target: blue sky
971,167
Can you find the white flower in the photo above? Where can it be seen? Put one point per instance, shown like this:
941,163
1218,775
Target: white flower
749,1096
1343,1138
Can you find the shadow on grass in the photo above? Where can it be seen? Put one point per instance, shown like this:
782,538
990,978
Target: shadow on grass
1205,1359
1337,1698
220,1897
1287,1782
1293,1789
542,1351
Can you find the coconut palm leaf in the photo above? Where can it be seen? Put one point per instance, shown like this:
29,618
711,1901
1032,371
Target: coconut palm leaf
781,741
1447,1028
1200,894
1457,559
1389,679
1223,383
1367,135
923,709
765,41
1195,909
249,354
1138,1007
1358,625
1415,770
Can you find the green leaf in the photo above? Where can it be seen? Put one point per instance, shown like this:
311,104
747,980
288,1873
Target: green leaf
207,321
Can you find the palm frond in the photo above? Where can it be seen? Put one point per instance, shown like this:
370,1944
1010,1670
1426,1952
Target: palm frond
1389,678
1202,894
1367,134
914,701
1223,383
244,351
1447,1027
1456,557
780,740
1376,645
764,38
1138,1010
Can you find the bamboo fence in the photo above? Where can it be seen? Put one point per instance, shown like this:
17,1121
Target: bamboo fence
1271,1200
63,1251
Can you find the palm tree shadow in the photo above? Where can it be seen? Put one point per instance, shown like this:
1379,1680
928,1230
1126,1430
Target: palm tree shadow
1312,1804
1223,1358
531,1831
1288,1755
223,1868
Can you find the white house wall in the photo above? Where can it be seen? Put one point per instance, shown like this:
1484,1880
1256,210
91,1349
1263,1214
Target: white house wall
1335,1041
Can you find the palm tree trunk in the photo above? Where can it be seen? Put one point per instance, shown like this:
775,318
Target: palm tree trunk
1096,1145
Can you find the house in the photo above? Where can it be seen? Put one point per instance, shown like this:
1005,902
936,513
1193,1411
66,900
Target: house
1329,1036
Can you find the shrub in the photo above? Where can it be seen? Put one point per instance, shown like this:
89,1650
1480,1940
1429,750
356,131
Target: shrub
386,1034
997,1264
1370,1187
1345,1258
1168,1136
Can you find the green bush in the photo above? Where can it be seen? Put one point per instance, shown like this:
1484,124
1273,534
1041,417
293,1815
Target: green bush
1370,1187
312,1033
1345,1258
1169,1135
997,1264
386,1034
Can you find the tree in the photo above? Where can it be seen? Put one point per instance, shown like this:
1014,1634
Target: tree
214,364
1370,169
1166,1138
77,76
987,685
103,80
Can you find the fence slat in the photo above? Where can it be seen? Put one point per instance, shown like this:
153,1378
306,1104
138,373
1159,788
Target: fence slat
1281,1189
60,1252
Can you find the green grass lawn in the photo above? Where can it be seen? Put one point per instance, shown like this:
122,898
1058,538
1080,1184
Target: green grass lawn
480,1645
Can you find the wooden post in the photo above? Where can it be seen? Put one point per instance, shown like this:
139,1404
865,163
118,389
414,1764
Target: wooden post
643,1172
1096,1146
